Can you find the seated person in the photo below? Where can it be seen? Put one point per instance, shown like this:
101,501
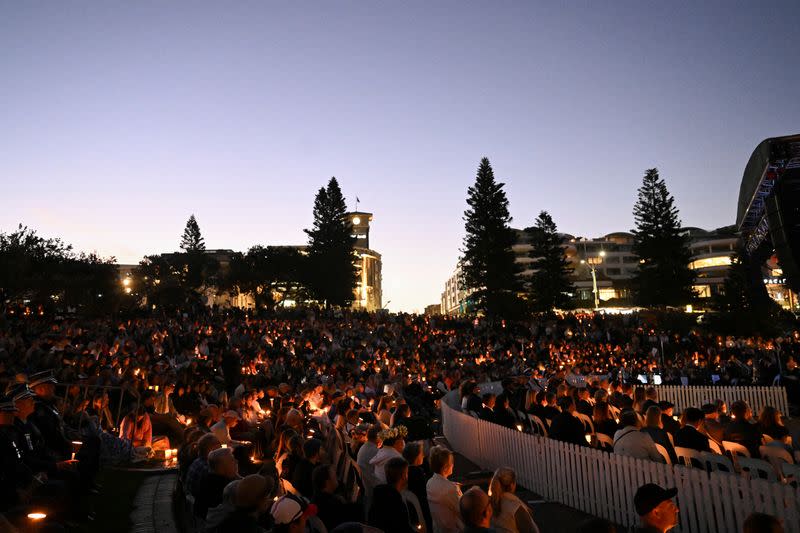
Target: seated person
222,469
632,442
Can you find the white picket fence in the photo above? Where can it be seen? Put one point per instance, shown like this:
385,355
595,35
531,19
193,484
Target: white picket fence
604,484
695,396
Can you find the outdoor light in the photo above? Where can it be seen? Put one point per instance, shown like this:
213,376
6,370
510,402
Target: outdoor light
356,220
126,281
37,516
602,253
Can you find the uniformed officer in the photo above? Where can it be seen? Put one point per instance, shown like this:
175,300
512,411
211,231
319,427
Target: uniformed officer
16,479
35,453
46,416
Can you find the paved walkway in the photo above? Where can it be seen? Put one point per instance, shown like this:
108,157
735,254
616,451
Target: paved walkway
152,507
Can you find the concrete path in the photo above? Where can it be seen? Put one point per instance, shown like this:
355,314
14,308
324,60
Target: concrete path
152,507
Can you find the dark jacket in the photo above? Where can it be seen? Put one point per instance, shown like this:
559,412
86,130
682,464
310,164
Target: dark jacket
388,511
659,436
671,425
333,511
567,428
301,477
417,484
689,437
503,417
746,434
209,494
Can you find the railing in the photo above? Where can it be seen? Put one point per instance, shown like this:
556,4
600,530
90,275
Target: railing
695,396
604,484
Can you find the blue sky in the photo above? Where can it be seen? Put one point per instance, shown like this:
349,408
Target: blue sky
120,119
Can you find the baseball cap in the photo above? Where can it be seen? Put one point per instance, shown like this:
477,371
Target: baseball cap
290,508
649,496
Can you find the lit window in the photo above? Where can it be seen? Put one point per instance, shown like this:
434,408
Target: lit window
708,262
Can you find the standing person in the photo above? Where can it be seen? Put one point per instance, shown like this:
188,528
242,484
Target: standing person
657,512
393,444
509,513
443,494
332,510
388,511
417,479
476,511
365,454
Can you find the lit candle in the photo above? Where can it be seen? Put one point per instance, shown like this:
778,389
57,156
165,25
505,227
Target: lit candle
519,427
73,456
167,454
224,446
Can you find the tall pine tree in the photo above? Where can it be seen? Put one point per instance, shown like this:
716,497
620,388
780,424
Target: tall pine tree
487,264
330,249
192,240
549,284
664,277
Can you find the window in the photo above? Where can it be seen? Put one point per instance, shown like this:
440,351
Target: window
613,272
708,262
703,291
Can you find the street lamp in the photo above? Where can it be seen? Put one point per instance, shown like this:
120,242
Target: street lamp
593,262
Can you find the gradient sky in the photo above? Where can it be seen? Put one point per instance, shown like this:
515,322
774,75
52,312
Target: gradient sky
120,119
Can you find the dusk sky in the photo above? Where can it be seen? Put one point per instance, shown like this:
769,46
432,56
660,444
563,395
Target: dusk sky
120,119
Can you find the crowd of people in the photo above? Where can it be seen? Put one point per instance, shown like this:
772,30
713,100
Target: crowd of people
329,416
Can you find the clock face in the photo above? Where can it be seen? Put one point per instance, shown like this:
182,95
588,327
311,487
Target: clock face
356,221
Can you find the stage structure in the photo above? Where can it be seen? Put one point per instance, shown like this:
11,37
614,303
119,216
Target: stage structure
768,216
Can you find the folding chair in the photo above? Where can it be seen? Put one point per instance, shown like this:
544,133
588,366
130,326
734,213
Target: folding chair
757,469
664,453
717,463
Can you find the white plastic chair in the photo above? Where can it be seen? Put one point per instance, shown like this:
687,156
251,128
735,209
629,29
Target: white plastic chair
734,448
664,453
714,446
790,474
689,457
757,469
718,463
537,426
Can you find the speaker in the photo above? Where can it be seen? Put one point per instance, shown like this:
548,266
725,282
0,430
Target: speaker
783,215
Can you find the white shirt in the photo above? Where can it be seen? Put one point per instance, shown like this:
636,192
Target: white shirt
443,496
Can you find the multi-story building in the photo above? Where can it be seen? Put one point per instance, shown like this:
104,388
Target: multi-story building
367,294
615,265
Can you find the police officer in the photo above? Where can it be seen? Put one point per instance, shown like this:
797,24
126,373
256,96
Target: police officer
46,416
29,439
16,479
